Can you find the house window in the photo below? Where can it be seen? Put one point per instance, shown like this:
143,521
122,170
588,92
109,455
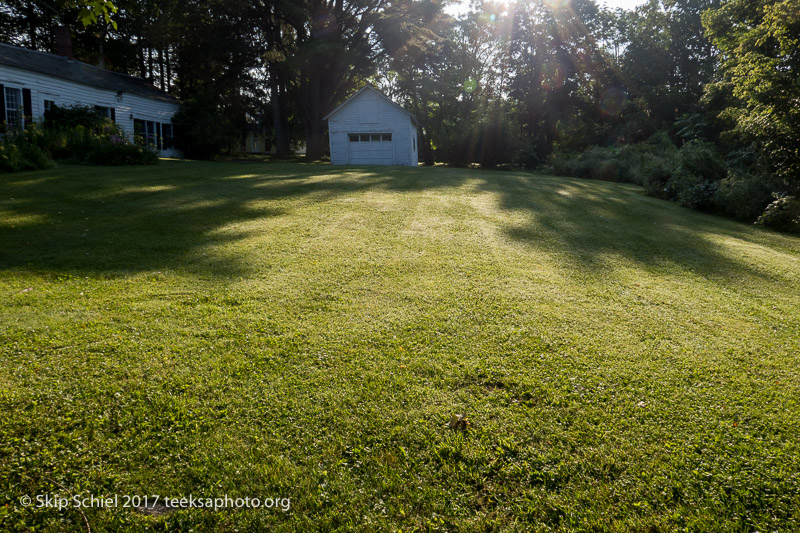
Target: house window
386,137
13,108
48,105
106,112
414,141
139,127
168,141
353,138
148,132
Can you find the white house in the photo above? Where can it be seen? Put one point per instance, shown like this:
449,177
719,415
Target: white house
31,82
370,129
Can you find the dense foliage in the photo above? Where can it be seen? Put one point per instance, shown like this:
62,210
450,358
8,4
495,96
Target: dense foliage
73,134
80,135
503,84
23,150
759,43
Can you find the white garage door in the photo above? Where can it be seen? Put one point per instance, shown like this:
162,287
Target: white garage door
370,149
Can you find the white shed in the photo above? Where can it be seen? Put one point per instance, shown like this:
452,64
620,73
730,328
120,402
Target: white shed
370,129
31,82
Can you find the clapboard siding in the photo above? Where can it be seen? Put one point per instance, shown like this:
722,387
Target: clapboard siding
65,93
368,111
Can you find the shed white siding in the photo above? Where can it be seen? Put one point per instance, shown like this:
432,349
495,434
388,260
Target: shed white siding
127,107
369,114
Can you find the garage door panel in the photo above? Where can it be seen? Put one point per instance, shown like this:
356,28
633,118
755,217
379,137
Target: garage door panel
372,156
374,149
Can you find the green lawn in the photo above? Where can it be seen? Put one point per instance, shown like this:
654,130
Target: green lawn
306,331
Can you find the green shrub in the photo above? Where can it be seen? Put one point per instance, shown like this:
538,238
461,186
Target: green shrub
782,214
693,190
24,150
695,179
702,160
81,135
744,195
69,117
650,163
121,154
655,173
203,128
567,164
71,144
596,162
10,157
488,143
607,164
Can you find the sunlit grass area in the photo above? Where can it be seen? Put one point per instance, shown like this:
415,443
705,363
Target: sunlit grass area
306,332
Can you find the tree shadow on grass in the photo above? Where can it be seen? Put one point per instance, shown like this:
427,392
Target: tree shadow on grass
101,220
592,221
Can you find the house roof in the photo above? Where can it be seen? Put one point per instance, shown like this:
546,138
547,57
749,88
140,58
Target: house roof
376,91
71,70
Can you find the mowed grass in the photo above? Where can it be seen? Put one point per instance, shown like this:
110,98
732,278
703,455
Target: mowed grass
306,331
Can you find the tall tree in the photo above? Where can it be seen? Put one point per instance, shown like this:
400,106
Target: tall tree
667,59
334,49
557,66
278,44
760,60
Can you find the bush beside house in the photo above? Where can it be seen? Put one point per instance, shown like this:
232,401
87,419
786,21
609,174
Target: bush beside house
24,150
74,135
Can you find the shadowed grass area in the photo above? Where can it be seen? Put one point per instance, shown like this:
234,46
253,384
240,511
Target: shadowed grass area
305,332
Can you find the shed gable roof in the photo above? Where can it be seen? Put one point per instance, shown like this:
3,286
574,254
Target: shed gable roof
71,70
361,91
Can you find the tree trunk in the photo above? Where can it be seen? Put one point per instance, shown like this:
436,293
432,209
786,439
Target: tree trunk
169,69
32,26
427,151
312,118
142,67
161,73
101,59
316,69
278,100
280,120
424,142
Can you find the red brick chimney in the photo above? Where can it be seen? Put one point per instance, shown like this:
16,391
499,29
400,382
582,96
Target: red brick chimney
63,41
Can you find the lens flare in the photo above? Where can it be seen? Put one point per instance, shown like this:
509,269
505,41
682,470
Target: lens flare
488,17
470,85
